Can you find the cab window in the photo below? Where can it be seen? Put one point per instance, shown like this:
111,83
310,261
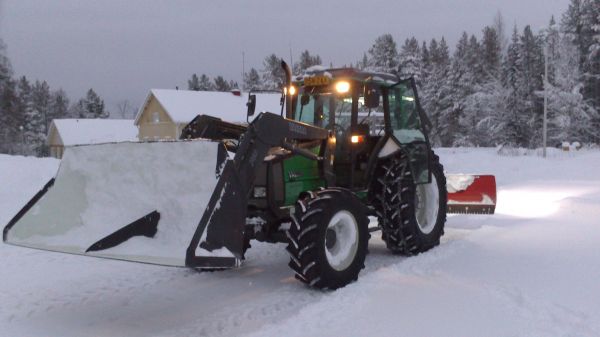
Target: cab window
404,115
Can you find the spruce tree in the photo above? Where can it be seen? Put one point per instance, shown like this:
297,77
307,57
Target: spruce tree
59,105
500,29
529,83
491,53
383,55
410,60
425,61
92,106
570,116
40,96
471,71
7,97
490,104
252,80
460,79
5,66
435,88
591,69
575,28
220,84
24,107
35,127
594,59
10,118
512,126
204,83
552,42
273,75
306,61
363,63
194,83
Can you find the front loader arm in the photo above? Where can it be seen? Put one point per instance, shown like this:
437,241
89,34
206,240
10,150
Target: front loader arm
218,240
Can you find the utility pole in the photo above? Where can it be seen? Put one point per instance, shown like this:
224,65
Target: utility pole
291,58
243,69
545,128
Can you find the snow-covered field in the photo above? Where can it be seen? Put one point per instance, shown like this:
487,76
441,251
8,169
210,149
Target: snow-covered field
533,269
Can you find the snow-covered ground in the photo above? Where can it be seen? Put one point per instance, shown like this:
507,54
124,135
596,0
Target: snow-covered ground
533,269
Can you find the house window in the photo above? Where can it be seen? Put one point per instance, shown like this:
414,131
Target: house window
155,117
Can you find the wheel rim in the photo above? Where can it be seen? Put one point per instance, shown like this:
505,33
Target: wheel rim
341,240
427,204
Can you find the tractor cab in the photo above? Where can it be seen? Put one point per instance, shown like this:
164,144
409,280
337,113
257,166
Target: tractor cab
372,115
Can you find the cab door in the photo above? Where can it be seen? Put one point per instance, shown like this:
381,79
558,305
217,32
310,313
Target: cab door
408,126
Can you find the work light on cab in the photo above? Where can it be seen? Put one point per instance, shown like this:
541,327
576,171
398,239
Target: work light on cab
342,87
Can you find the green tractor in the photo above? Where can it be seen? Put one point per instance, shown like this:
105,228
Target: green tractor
348,154
376,161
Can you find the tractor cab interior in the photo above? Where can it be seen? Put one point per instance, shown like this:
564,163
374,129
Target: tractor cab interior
353,111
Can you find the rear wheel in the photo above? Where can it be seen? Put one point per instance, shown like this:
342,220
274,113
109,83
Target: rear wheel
328,238
411,216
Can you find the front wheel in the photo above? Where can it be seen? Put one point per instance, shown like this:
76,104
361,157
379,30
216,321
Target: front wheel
328,238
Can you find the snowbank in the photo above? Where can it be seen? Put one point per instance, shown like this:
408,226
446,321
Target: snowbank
94,131
532,269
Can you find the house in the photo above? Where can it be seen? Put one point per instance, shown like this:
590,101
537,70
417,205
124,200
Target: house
166,112
67,132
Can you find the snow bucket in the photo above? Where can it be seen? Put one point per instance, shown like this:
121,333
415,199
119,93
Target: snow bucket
139,202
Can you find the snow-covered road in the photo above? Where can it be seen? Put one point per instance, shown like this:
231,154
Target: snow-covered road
533,269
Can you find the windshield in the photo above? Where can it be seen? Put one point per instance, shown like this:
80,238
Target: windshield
320,106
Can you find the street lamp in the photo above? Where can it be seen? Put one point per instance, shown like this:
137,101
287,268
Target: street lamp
22,139
545,77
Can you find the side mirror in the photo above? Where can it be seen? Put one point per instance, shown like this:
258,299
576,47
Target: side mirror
304,99
371,96
251,104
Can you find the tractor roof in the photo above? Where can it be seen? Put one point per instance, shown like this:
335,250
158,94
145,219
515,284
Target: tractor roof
349,73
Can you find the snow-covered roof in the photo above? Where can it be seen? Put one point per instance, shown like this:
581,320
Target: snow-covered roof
183,105
94,131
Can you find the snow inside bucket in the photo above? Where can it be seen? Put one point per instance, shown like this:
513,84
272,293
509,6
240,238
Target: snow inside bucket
99,189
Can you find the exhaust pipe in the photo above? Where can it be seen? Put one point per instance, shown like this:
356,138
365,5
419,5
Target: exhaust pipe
288,83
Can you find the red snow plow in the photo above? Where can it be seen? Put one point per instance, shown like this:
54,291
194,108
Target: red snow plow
471,194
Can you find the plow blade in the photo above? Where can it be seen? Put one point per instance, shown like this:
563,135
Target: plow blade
140,202
471,194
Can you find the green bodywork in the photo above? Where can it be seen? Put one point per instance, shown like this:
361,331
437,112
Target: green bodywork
299,175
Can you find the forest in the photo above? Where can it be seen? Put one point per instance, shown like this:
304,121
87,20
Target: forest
488,90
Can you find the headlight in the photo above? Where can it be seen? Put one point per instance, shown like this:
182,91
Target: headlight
292,90
357,139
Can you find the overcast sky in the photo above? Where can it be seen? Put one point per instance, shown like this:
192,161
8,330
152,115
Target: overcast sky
124,48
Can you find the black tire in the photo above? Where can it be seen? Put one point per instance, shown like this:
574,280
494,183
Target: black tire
394,197
309,237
